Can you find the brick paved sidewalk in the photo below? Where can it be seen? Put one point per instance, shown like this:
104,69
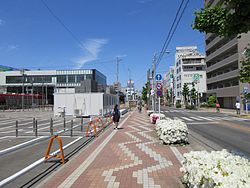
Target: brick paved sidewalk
129,157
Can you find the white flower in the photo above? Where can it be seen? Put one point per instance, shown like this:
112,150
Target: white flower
215,169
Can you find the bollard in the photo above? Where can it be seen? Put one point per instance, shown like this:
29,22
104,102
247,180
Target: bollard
64,123
34,122
51,126
81,124
16,128
36,128
71,128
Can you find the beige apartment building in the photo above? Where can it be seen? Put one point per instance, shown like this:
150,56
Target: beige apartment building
223,57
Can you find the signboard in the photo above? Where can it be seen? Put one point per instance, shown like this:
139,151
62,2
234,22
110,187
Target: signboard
159,93
158,86
245,90
196,77
152,92
158,77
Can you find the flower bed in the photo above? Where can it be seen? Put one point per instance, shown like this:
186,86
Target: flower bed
172,131
149,112
216,169
156,116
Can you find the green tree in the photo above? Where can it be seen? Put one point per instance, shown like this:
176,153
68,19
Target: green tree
185,92
245,67
193,94
145,92
228,18
211,101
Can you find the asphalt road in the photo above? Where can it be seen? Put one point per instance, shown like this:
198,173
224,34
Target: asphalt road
229,132
15,161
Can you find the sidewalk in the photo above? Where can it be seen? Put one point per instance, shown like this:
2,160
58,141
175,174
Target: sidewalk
129,157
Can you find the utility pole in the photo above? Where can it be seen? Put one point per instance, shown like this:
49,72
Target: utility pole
118,60
22,72
148,91
153,82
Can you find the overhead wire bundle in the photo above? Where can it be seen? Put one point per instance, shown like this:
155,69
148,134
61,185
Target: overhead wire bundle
172,30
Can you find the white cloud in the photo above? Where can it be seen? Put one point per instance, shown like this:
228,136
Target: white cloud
91,49
1,22
12,47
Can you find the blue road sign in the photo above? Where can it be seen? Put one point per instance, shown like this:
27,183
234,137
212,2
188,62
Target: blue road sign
158,77
245,90
159,93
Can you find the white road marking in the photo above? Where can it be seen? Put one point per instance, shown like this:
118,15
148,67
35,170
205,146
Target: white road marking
186,118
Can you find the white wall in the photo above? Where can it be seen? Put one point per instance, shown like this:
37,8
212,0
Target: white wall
86,103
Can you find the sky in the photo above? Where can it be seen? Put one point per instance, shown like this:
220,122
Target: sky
86,34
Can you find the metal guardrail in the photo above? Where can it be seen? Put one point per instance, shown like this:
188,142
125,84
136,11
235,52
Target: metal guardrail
40,161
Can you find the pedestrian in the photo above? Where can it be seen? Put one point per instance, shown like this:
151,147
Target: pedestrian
217,105
237,105
116,116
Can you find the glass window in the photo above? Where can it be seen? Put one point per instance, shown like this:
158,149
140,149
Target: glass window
71,78
61,78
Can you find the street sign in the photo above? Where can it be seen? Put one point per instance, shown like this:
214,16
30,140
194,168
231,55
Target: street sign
196,77
152,92
158,77
159,93
245,90
158,86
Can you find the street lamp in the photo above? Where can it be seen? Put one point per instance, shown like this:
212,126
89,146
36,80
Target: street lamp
22,73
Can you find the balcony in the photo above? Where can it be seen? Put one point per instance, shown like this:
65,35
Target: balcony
226,91
222,63
222,49
225,76
213,42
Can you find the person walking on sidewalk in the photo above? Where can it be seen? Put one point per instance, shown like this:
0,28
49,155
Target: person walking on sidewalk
217,105
237,105
116,116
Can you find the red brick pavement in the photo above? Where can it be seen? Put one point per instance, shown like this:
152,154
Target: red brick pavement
129,157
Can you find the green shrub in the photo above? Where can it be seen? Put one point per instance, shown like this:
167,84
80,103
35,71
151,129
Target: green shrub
190,107
212,105
178,105
204,105
211,101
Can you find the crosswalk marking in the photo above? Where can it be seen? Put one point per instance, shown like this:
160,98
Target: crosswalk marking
196,118
205,118
187,119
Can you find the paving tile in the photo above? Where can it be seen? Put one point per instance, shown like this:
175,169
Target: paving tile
133,158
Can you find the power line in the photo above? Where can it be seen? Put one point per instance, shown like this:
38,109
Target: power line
175,27
176,15
62,24
168,40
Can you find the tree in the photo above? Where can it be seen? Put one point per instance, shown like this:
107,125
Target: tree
228,18
185,92
211,101
193,94
245,67
145,92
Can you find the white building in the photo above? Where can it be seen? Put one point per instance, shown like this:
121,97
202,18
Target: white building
130,95
189,68
168,84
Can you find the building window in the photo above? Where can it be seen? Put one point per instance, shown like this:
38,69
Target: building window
71,78
198,68
61,78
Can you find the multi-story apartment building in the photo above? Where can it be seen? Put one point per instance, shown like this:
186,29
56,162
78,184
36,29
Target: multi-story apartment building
189,68
223,57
